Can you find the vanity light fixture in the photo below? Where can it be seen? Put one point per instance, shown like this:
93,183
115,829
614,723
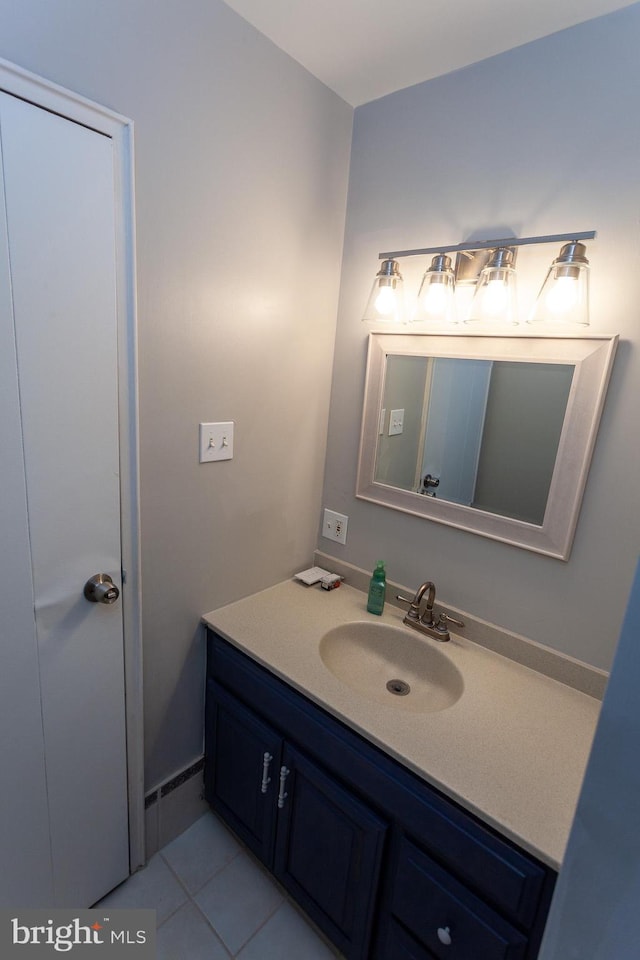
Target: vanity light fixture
488,268
386,300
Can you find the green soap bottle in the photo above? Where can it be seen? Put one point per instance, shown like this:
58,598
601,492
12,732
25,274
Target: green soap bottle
377,587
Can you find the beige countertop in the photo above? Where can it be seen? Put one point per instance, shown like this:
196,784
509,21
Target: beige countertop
512,749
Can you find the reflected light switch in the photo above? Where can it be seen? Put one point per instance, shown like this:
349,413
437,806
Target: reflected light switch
396,422
216,441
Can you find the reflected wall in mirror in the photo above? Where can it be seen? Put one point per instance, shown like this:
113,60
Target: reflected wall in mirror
490,434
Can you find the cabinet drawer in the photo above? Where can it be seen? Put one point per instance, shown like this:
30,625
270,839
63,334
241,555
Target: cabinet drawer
510,880
436,908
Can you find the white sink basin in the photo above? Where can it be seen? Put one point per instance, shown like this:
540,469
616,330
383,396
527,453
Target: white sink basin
381,661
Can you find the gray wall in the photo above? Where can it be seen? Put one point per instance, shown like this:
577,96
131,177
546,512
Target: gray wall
241,176
525,411
539,140
594,912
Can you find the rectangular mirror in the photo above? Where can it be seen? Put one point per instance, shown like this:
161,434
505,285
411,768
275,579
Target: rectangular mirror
489,434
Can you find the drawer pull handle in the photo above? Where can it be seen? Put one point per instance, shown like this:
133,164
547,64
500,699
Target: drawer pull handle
282,796
266,779
444,936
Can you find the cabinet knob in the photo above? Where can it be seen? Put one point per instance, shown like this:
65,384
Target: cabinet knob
266,779
444,936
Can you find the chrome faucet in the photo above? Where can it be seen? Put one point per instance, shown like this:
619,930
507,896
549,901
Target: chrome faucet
425,623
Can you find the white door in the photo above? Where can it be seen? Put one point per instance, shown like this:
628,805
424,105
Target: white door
63,802
455,421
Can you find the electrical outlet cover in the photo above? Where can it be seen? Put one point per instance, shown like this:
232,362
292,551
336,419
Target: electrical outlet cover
334,526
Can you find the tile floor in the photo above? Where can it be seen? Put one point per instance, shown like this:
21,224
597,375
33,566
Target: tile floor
214,901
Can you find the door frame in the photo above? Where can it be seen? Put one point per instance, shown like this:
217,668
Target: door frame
49,96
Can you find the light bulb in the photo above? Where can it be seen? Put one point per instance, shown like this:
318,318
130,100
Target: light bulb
436,299
562,296
386,301
494,298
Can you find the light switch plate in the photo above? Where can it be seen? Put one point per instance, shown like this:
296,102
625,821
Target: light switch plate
216,441
396,422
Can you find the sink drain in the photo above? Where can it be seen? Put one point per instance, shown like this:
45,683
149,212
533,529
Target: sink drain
398,687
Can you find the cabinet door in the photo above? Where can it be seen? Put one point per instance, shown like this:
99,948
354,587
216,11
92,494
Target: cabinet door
242,762
328,853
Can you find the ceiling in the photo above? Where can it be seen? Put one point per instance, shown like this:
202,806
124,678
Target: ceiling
365,49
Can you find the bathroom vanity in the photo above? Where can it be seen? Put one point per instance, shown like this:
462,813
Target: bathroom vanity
403,831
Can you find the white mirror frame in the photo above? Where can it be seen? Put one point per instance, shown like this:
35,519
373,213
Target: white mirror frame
593,360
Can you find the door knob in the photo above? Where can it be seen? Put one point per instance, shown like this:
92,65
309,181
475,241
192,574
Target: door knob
101,589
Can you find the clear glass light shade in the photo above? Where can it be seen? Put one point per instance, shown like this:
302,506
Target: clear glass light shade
564,296
494,300
435,297
386,300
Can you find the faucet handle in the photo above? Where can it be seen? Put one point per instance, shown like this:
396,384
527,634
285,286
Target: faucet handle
414,609
445,618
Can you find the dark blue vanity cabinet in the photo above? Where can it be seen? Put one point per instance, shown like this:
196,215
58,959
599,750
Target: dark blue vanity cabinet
322,842
385,865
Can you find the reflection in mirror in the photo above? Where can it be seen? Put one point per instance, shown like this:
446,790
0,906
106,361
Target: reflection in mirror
493,435
481,433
